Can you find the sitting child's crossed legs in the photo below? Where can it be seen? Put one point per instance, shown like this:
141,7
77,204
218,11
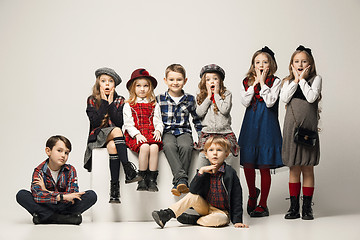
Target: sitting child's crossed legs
210,216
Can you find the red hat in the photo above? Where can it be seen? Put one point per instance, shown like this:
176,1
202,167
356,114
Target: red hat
141,73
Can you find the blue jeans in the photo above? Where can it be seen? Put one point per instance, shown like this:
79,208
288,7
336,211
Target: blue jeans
46,210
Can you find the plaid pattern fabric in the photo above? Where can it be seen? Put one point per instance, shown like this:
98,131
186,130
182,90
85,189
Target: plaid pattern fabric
234,146
91,107
269,81
143,114
66,183
176,116
217,195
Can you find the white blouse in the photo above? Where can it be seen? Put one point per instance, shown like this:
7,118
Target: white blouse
129,124
311,93
270,95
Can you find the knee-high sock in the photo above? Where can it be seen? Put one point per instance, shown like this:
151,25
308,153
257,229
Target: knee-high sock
265,186
308,191
114,163
250,179
294,189
121,149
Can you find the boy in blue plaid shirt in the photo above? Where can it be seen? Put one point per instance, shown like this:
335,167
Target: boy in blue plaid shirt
176,108
55,196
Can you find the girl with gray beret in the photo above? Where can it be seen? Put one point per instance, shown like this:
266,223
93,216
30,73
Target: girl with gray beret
105,112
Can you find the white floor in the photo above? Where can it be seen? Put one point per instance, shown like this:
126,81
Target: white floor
344,227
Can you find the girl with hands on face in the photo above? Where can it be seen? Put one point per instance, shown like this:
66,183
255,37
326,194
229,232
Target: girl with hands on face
301,92
143,126
214,104
105,112
260,136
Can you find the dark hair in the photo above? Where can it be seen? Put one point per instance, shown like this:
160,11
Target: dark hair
51,142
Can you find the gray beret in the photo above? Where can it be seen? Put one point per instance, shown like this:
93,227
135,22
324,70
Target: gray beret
213,68
110,72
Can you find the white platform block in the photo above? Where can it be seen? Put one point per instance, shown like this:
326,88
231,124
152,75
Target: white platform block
135,205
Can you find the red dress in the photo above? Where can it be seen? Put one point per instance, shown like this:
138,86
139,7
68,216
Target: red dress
143,114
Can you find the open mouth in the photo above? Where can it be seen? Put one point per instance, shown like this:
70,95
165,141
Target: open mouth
300,69
261,71
107,89
212,87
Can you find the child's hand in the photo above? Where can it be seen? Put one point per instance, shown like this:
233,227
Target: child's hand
140,138
257,77
217,88
296,75
111,96
263,76
241,225
157,135
72,196
305,73
102,94
208,169
40,182
208,89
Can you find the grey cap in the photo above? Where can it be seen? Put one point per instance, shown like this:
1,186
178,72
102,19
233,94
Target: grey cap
213,68
110,72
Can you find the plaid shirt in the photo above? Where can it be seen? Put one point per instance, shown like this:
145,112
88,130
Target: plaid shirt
217,195
176,116
66,183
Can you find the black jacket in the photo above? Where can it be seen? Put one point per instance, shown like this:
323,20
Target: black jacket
200,185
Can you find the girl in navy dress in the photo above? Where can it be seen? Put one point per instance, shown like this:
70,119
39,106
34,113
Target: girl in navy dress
105,112
301,92
260,136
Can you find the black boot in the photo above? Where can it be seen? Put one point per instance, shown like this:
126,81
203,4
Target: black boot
152,184
250,208
307,213
188,219
162,216
130,173
114,192
74,219
293,211
142,185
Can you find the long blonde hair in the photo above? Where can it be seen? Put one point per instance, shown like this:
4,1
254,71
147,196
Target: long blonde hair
252,73
201,96
150,95
96,95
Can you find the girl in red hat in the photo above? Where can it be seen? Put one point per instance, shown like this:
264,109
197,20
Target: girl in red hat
143,126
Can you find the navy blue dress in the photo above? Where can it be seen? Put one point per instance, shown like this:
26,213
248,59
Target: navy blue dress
260,138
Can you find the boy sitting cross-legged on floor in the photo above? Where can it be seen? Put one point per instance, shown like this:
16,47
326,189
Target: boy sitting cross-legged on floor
55,196
215,192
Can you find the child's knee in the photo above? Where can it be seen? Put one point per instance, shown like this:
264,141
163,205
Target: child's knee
117,132
111,147
214,220
22,195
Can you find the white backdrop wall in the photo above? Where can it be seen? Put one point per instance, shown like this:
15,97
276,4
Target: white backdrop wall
50,49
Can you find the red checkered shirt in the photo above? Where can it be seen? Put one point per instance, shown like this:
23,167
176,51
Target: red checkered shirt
217,195
66,183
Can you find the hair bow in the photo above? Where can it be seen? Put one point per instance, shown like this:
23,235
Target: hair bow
268,50
302,48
